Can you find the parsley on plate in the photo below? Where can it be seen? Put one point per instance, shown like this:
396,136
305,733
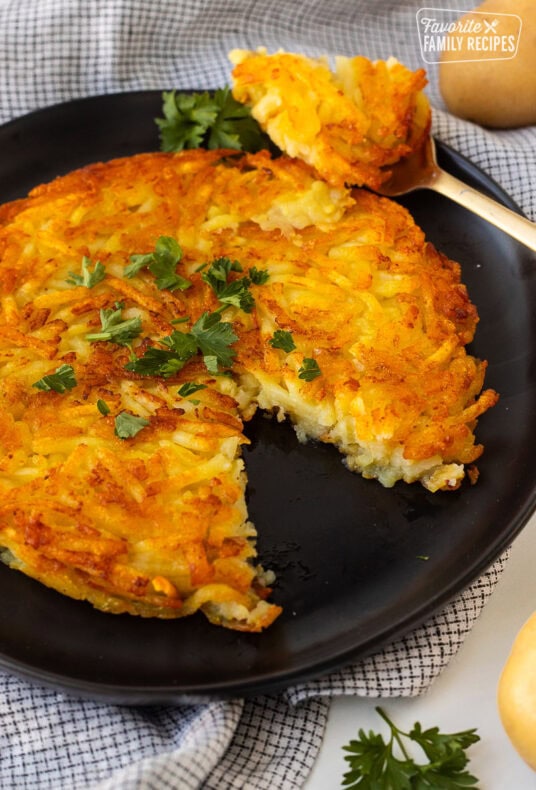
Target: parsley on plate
129,425
92,274
189,388
114,328
282,339
162,263
103,407
61,380
208,120
309,369
233,292
209,336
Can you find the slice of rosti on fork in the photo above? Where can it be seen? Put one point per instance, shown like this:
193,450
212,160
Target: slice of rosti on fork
350,123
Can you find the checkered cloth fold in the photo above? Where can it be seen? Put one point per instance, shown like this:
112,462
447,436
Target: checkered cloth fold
56,50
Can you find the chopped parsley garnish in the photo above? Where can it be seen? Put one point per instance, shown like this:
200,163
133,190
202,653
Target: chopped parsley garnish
208,120
214,338
162,263
375,766
180,348
218,272
210,336
61,380
114,328
181,343
103,407
189,387
309,369
236,292
90,276
128,425
259,276
283,340
157,362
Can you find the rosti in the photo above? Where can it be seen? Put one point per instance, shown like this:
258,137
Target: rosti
152,303
350,123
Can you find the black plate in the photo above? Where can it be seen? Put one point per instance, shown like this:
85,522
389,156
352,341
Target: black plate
347,551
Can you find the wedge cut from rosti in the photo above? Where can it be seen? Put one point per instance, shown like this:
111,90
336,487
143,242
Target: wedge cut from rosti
128,361
350,124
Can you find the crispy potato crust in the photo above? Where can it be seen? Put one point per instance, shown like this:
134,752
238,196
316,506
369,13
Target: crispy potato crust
156,524
350,124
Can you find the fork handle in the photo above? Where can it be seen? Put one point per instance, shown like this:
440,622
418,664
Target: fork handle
504,218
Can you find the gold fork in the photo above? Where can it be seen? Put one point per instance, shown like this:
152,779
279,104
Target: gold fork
421,171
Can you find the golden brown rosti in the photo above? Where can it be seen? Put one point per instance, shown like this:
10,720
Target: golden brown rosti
149,305
350,123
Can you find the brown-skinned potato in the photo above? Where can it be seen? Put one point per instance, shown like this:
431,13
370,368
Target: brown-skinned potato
494,93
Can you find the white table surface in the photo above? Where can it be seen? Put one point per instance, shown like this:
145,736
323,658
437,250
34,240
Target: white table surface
464,695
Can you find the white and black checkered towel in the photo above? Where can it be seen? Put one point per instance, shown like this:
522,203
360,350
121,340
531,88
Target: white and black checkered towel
56,50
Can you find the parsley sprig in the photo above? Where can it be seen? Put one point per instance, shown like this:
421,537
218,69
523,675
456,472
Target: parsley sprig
189,388
127,425
283,339
91,275
162,263
208,120
61,380
233,292
115,328
309,369
374,765
103,407
209,336
259,276
179,348
214,338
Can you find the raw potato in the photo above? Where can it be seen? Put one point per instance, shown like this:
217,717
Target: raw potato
495,93
516,696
